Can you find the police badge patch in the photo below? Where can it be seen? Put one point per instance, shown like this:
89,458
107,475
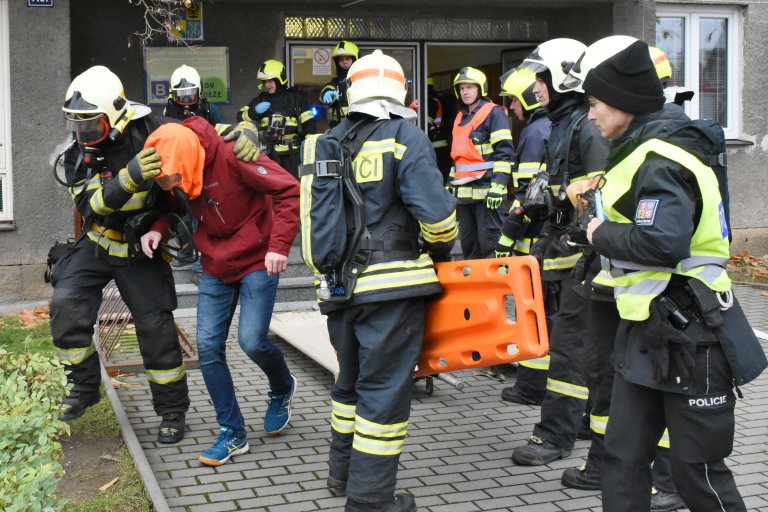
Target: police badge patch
646,212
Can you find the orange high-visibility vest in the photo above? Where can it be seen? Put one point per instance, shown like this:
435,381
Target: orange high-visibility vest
469,161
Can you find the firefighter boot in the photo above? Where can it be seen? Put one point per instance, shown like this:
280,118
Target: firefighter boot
75,404
663,501
171,428
399,503
538,452
584,478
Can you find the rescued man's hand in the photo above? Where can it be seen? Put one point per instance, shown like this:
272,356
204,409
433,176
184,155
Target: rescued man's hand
149,242
247,145
145,165
275,263
591,227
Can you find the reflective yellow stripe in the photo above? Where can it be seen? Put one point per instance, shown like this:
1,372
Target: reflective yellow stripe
484,149
342,417
499,135
441,231
567,389
468,192
377,447
136,202
113,248
97,204
664,441
306,116
502,167
75,355
371,429
396,280
524,245
562,263
305,202
439,144
541,363
166,376
598,424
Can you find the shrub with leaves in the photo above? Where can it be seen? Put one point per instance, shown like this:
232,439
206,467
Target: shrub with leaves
31,386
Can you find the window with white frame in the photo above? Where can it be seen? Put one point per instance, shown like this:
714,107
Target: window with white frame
703,44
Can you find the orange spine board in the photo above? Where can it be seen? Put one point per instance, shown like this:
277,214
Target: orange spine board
491,312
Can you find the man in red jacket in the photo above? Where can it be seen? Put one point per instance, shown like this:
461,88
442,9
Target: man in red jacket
247,216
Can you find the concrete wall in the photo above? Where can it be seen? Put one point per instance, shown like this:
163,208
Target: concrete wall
39,75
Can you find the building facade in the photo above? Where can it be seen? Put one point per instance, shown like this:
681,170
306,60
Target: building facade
715,48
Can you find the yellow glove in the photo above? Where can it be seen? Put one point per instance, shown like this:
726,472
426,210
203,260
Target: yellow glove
495,196
504,246
145,165
247,145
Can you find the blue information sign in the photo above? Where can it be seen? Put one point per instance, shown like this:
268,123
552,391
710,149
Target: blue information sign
39,3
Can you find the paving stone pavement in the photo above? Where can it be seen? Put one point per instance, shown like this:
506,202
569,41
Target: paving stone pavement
456,457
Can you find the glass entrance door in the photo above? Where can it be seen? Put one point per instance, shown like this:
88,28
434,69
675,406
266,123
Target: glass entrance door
310,68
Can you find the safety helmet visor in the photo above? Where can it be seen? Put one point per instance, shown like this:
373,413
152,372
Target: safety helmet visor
575,76
186,95
89,129
534,67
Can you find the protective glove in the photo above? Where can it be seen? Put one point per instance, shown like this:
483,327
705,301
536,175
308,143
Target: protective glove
330,96
262,107
504,247
441,257
495,196
516,224
145,165
247,145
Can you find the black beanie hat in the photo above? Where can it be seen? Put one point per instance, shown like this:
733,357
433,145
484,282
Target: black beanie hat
627,81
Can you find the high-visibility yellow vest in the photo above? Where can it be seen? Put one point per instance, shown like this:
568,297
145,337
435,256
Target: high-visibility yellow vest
636,284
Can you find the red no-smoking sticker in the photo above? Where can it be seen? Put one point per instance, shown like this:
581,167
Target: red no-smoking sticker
322,56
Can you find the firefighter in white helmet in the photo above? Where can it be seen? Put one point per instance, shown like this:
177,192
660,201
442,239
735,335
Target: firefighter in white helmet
403,201
185,99
108,173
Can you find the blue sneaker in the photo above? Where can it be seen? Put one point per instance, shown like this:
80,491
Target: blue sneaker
279,410
227,445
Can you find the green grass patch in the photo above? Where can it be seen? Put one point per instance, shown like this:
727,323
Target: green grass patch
22,338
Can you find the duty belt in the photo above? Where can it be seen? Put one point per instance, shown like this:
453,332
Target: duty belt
112,234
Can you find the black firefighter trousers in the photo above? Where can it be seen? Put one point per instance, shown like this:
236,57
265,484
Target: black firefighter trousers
566,398
147,288
378,345
701,428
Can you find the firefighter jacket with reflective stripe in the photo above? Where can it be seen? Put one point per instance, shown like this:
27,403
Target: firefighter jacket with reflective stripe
575,150
436,128
639,282
246,209
395,168
202,108
481,146
97,193
340,106
287,121
530,159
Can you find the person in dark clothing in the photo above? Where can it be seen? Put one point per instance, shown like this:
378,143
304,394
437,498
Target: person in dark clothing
519,231
482,152
185,100
334,93
378,332
108,175
683,341
282,115
575,152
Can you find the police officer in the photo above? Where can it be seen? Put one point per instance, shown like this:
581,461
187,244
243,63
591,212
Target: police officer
378,332
683,340
282,115
482,152
575,152
519,231
185,100
334,94
108,175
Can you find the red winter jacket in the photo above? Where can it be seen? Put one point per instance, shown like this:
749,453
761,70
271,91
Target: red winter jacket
246,209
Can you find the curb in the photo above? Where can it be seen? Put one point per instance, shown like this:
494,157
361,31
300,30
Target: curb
137,453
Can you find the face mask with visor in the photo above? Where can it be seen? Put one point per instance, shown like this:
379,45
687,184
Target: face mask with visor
89,129
186,96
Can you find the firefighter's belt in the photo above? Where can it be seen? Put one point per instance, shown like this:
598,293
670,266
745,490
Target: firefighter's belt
112,234
322,169
372,244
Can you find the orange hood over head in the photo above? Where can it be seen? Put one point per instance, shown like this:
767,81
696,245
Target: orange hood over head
183,158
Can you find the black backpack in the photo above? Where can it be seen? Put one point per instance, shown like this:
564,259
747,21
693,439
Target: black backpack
718,162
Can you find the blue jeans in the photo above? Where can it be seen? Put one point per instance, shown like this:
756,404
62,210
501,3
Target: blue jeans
215,308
